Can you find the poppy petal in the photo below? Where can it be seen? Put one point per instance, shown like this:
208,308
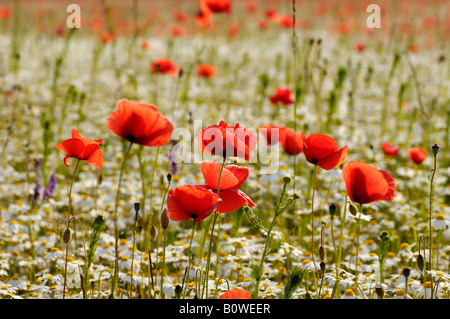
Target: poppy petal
211,173
191,201
240,172
232,200
73,147
366,184
334,159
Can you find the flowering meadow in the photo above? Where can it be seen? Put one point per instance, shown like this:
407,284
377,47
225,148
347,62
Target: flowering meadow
224,149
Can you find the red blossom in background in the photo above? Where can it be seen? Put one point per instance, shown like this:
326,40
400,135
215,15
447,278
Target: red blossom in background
389,149
217,6
164,66
366,184
140,123
191,202
272,133
322,150
227,141
282,95
233,176
291,141
206,71
417,155
5,13
359,46
236,293
82,148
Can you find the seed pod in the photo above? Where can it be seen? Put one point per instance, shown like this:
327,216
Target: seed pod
322,267
406,272
435,149
178,291
379,290
332,210
164,219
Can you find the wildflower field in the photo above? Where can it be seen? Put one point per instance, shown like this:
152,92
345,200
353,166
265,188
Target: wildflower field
224,149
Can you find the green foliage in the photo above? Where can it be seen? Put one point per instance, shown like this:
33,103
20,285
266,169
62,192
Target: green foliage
294,280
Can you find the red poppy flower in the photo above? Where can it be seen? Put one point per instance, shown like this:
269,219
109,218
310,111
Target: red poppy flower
251,6
140,123
286,21
203,17
282,95
236,294
272,133
178,31
227,141
233,176
417,155
218,6
206,71
389,149
359,46
82,148
145,45
291,141
366,184
164,66
180,16
5,13
191,202
322,150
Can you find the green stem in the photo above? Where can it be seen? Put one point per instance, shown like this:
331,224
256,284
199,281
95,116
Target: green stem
338,264
312,218
116,229
68,225
429,225
205,281
190,257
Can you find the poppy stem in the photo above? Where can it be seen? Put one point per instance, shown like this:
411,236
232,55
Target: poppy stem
116,229
429,219
312,217
190,256
68,225
358,226
208,265
338,263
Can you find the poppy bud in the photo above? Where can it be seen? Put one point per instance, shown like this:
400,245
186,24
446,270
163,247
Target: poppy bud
67,236
379,290
296,196
353,209
420,262
322,253
169,177
435,149
164,219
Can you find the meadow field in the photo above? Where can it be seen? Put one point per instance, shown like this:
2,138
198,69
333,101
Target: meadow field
232,149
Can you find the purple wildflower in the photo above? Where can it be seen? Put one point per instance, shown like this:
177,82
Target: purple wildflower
172,164
50,187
